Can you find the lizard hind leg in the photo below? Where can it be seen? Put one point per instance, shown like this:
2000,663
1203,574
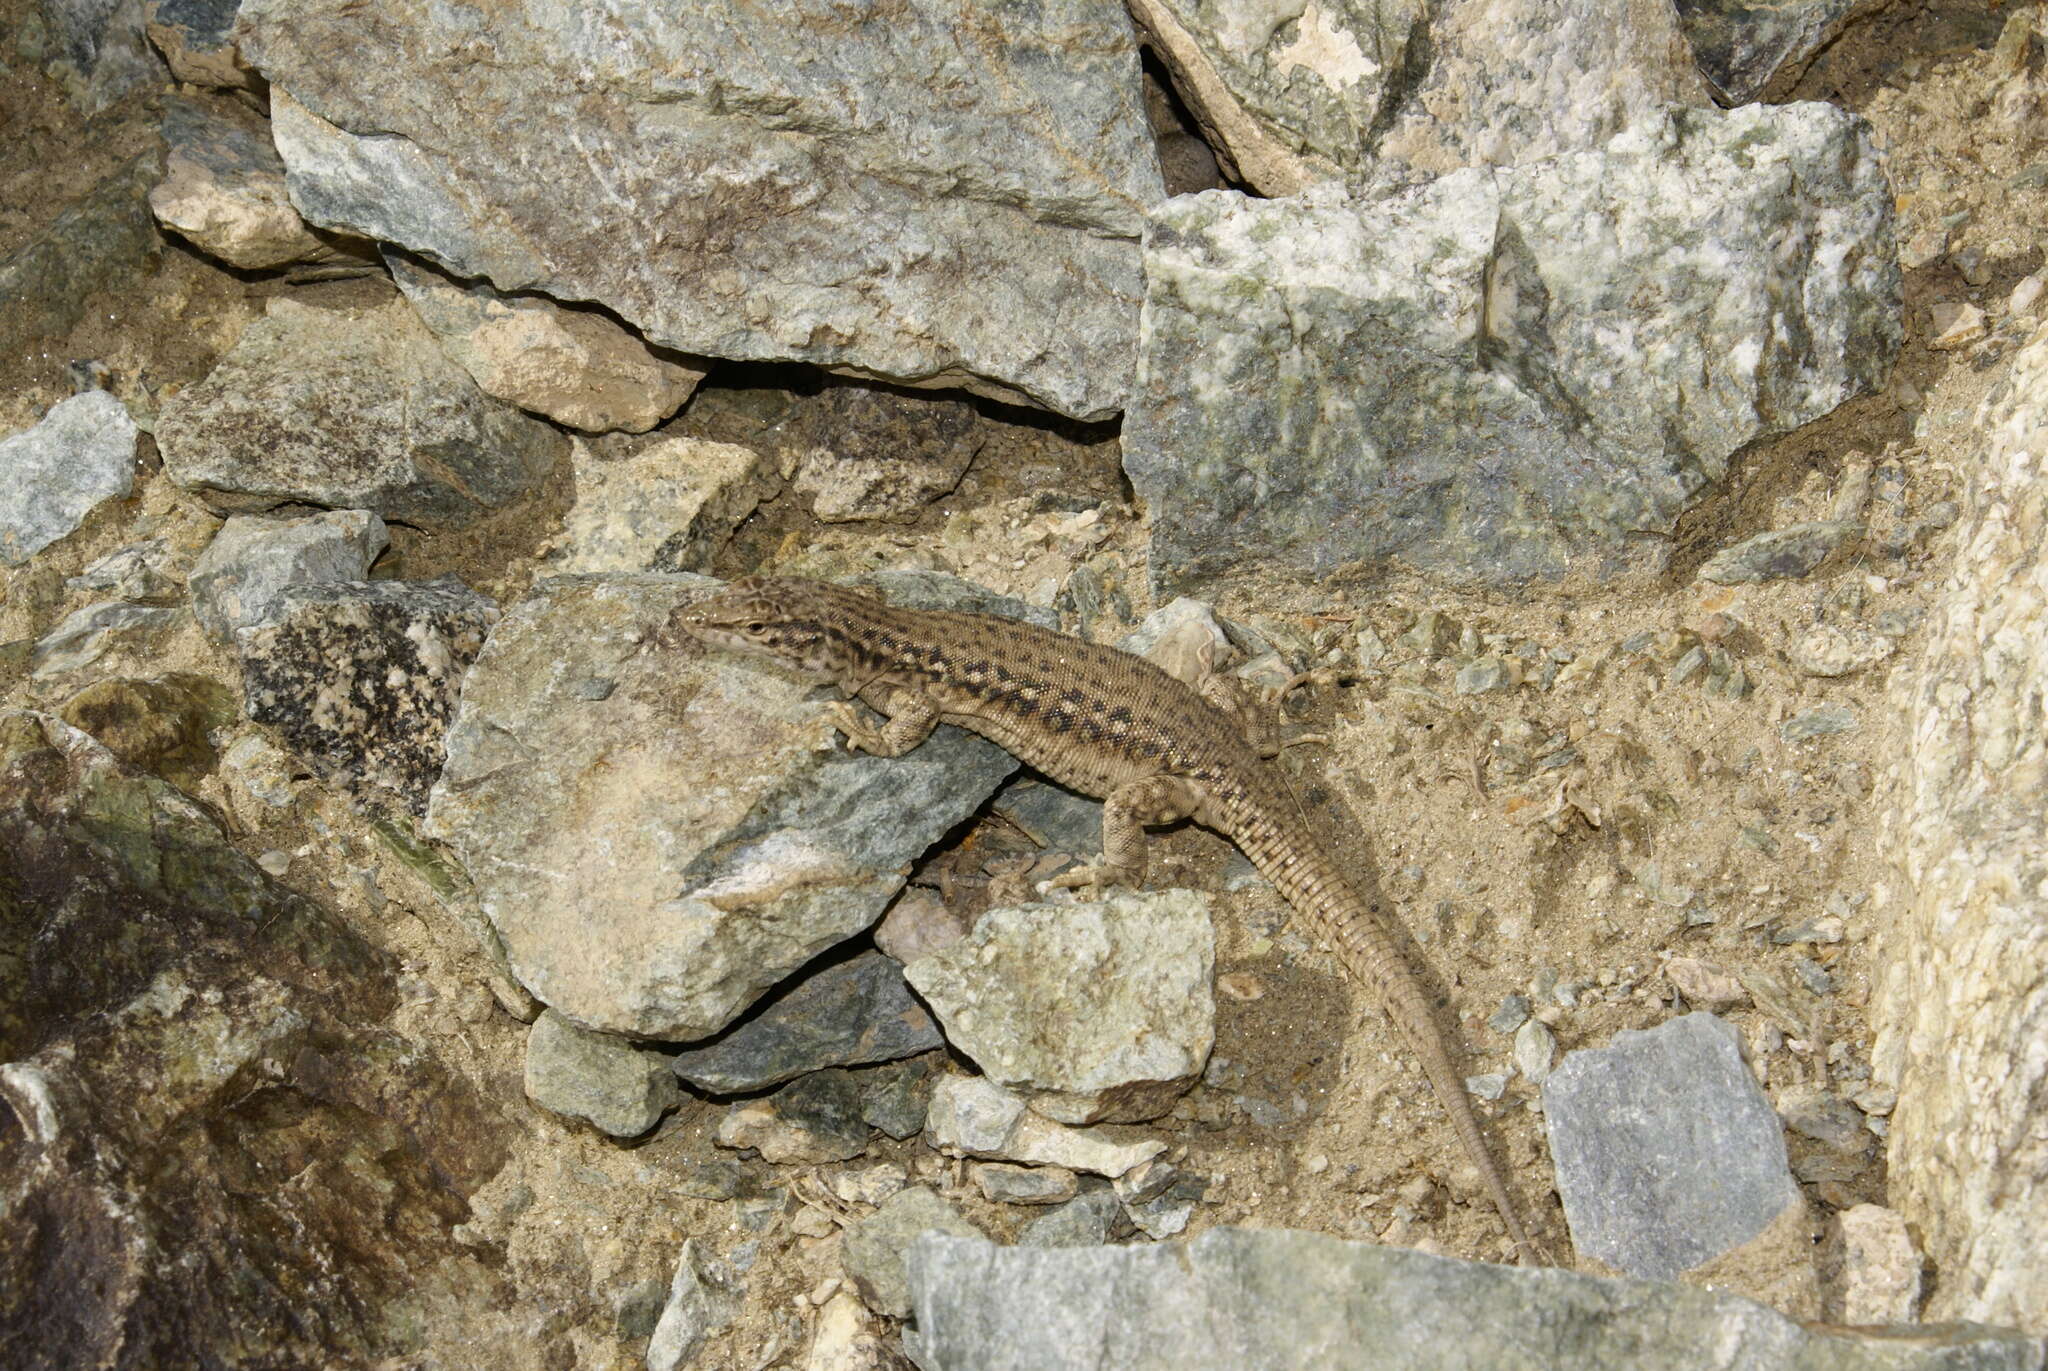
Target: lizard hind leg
1128,811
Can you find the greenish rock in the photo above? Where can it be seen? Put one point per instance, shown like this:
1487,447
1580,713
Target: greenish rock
896,1098
102,242
727,193
187,1047
1236,1299
1780,554
1084,1221
873,1249
606,1081
1468,376
1818,722
159,725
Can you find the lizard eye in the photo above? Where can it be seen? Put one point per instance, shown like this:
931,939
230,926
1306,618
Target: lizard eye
757,628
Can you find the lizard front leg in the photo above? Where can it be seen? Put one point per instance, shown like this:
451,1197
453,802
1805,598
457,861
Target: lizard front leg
909,716
1127,812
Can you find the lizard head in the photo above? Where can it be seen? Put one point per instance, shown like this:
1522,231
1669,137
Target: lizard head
794,621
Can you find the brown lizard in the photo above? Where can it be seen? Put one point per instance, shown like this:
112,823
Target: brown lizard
1100,721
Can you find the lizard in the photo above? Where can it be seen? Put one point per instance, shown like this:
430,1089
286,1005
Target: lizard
1104,722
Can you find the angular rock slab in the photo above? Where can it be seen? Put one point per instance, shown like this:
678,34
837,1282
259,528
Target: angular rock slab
360,678
951,197
1237,1299
1293,94
81,455
1095,1011
613,1085
1743,46
662,834
239,581
1498,371
223,189
354,409
1667,1151
578,367
849,1014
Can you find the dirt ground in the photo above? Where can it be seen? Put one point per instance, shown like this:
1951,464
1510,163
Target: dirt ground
1564,842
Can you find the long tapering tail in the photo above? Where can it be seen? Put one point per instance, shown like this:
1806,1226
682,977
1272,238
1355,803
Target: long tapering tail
1312,884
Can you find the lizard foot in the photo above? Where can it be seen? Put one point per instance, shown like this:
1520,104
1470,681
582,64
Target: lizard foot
842,715
1097,877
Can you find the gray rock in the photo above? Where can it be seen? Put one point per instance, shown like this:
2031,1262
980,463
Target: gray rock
1667,1152
1818,1113
848,1014
101,242
873,1249
704,1296
1831,650
1742,45
660,504
617,1087
87,635
1512,1014
1052,815
738,843
1238,1299
1499,372
357,409
239,581
862,452
1780,553
1342,89
707,177
223,188
1001,1183
81,455
100,54
1818,721
1084,1221
579,367
813,1120
897,1098
361,678
1094,1011
1535,1049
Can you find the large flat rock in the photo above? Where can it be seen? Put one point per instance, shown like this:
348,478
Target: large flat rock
946,195
661,833
1237,1299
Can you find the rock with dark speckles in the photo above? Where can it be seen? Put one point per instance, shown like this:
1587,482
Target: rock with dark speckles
360,678
355,409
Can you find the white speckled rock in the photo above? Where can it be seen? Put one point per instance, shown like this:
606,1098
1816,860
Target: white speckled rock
1962,1023
1093,1011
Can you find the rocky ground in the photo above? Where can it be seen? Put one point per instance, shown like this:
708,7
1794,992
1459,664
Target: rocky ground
413,945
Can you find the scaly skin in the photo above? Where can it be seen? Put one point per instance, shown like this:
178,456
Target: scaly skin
1102,722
